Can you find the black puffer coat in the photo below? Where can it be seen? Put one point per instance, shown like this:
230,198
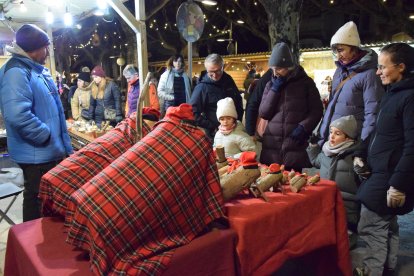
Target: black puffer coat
298,102
204,100
391,151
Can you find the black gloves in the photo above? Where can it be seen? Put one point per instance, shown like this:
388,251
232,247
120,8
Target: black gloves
277,83
299,134
361,168
314,139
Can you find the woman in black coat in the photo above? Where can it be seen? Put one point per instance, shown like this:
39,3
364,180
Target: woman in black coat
389,190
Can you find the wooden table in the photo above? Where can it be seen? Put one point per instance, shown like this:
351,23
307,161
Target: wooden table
79,139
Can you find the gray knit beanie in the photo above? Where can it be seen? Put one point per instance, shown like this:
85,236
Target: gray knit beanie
281,56
347,124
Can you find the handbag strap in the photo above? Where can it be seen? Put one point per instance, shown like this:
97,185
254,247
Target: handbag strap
335,99
344,81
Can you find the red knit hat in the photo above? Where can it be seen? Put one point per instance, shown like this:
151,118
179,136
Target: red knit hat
98,71
184,111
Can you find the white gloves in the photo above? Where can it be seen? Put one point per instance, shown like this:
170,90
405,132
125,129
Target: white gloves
395,198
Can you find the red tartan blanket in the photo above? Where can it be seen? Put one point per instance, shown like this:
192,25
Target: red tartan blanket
60,182
154,198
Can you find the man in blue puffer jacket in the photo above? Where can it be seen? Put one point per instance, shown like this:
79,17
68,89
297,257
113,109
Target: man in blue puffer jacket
37,137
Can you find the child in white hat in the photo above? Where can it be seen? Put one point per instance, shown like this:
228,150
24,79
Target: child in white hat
335,161
231,133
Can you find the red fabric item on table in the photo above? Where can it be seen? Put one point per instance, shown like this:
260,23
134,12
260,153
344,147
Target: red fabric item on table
38,247
60,182
292,225
151,111
183,111
151,200
248,158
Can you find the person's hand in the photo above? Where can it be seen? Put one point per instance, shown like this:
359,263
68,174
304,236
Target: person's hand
277,83
299,134
395,198
118,119
361,168
314,139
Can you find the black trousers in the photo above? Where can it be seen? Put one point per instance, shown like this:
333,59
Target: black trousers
32,174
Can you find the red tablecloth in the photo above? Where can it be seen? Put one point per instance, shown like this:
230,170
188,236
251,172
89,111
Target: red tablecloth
38,247
292,225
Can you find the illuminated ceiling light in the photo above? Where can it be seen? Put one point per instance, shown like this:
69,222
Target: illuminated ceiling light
67,18
23,7
101,4
99,12
240,21
220,39
411,17
49,17
207,2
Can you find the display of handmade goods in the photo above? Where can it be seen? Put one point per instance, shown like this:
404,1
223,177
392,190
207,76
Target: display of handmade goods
271,177
221,159
314,179
297,182
240,175
151,200
60,182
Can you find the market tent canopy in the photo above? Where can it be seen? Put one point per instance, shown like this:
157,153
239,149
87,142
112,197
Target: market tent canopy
13,15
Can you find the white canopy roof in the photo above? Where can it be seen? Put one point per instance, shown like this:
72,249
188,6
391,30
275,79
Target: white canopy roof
36,11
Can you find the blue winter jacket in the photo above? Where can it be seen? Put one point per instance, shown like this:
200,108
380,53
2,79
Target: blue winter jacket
360,96
33,113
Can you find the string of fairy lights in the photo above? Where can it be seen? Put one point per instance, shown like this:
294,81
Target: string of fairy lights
154,24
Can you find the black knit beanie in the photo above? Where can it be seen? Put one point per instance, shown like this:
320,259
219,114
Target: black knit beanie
30,38
85,76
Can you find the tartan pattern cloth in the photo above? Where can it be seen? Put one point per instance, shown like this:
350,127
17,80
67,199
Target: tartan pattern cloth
157,196
59,183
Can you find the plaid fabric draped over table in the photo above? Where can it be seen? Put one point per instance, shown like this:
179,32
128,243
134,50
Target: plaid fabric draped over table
157,196
60,182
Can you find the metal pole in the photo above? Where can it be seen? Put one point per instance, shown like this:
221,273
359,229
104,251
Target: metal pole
190,60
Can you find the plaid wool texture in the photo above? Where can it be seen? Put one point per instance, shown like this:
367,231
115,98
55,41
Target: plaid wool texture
157,196
60,182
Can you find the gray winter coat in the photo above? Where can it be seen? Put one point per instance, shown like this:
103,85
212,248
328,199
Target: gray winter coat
339,168
360,96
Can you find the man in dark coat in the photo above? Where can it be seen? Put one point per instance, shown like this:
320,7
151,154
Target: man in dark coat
214,86
292,105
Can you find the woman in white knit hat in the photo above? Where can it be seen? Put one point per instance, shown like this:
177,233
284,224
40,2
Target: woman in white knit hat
356,89
231,133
